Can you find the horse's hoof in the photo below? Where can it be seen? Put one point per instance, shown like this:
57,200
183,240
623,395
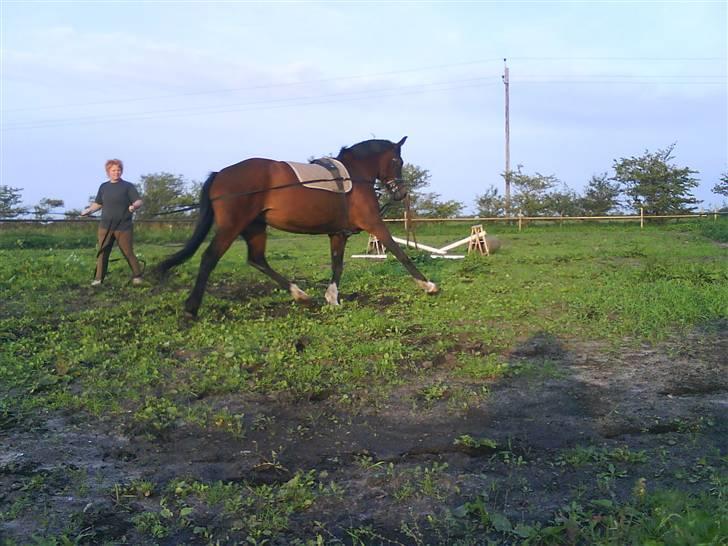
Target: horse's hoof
190,314
428,287
298,294
332,295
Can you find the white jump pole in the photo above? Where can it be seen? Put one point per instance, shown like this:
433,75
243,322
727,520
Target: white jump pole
418,246
457,243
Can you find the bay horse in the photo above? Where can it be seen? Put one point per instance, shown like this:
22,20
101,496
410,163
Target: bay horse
245,198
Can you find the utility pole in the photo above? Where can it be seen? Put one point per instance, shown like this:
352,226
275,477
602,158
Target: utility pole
508,143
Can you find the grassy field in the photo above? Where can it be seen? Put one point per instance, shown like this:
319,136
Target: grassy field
122,358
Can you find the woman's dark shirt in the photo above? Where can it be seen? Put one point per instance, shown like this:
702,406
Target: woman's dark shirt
115,197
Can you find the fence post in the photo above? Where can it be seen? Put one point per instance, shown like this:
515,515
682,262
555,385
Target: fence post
642,217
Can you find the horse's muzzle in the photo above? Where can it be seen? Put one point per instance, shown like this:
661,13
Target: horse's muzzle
395,189
399,194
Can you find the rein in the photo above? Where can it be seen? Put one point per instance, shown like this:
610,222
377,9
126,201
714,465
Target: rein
193,206
102,246
292,184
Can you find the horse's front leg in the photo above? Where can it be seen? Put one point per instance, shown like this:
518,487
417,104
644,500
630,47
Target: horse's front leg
338,244
382,233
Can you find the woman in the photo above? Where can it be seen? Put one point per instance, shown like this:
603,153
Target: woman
117,199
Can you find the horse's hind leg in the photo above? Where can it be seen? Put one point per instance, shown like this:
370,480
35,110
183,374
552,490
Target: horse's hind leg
255,235
338,244
219,245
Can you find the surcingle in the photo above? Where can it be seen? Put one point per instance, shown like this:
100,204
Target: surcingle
325,173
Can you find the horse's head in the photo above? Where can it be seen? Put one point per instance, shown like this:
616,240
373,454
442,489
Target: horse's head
390,171
381,160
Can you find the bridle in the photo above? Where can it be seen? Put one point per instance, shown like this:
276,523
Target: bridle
394,187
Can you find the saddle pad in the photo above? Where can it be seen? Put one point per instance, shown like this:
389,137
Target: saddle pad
318,177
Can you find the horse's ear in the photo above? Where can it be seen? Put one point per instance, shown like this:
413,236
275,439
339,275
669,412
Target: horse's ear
399,144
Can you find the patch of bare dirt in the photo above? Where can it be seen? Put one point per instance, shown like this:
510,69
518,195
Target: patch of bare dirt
666,405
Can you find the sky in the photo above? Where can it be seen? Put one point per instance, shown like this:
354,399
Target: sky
188,87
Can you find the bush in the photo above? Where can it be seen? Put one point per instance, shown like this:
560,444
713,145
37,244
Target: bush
716,230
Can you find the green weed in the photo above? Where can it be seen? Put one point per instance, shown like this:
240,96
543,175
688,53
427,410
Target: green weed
466,440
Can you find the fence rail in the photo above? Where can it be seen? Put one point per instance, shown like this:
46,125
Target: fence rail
521,220
558,218
93,220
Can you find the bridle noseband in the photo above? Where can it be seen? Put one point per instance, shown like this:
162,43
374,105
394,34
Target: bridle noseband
394,188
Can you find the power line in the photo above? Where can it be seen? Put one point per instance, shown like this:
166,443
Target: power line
646,76
723,81
257,87
262,105
309,100
355,95
624,59
364,76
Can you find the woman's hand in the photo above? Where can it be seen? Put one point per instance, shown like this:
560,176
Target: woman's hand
93,207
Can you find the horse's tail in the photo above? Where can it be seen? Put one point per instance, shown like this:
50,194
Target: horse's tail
204,223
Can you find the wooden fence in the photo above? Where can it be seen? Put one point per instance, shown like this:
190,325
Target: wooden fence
522,221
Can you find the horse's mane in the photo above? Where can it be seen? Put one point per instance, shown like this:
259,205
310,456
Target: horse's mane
367,148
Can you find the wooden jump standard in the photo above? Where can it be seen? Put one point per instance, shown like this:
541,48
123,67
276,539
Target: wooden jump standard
477,240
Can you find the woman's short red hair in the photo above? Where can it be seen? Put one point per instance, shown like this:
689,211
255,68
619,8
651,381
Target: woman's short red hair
114,162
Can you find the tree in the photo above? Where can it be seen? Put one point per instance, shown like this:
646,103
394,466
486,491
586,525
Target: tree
45,206
651,182
721,187
530,191
163,192
414,178
428,205
193,191
9,201
490,203
562,203
600,196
